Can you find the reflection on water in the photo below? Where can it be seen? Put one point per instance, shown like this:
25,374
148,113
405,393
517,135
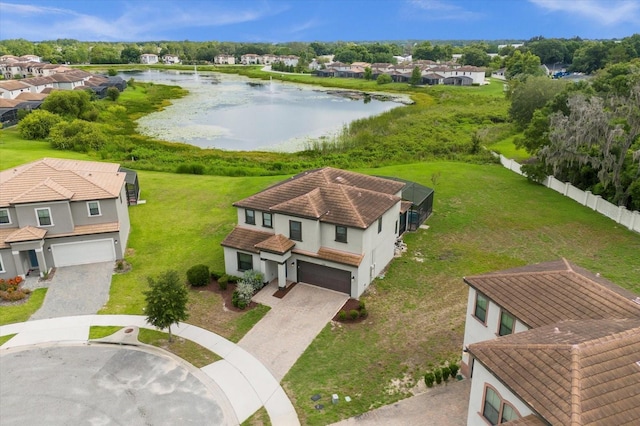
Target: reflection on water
236,113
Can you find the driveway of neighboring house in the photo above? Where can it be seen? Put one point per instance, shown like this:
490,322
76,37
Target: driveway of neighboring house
279,338
76,290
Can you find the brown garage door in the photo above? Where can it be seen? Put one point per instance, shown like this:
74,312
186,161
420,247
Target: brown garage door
324,276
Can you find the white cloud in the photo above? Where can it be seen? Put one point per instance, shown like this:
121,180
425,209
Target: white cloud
438,10
608,12
131,21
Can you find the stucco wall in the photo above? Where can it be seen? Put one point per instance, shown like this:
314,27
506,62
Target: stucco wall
482,377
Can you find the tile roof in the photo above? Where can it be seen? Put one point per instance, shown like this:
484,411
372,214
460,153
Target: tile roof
98,228
245,239
546,293
329,195
278,244
28,233
530,420
52,179
573,372
13,85
332,255
254,241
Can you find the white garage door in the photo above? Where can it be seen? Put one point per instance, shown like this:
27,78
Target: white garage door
80,253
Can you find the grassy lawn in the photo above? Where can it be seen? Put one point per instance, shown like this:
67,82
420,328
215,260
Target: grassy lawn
4,339
22,312
485,218
184,348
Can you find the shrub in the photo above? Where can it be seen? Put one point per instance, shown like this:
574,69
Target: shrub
233,279
222,282
361,305
245,292
216,275
198,275
78,135
429,379
342,315
354,314
384,79
38,124
363,312
438,374
454,369
193,169
254,279
446,372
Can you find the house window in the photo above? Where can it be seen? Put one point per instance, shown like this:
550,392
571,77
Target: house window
341,234
44,217
491,407
5,219
245,262
480,310
495,410
506,324
94,208
1,265
266,220
250,217
380,224
295,230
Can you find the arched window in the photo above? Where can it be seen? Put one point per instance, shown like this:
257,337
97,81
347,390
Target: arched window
495,409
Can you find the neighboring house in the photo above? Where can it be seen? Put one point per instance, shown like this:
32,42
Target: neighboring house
551,343
57,212
148,58
327,227
10,89
500,74
225,60
250,59
171,59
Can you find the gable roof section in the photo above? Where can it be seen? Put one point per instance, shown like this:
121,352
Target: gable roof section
549,292
245,239
278,244
330,195
59,179
28,233
573,372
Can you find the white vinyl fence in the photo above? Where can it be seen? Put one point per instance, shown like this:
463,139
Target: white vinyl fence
630,219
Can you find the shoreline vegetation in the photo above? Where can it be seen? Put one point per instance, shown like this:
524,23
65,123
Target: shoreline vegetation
435,123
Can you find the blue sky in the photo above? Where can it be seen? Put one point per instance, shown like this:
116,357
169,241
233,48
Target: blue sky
316,20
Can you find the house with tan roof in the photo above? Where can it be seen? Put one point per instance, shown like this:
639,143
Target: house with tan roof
149,58
551,343
327,227
57,212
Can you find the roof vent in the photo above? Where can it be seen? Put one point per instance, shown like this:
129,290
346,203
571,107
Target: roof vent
638,363
556,330
636,300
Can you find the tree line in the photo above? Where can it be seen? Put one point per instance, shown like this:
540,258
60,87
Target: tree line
577,54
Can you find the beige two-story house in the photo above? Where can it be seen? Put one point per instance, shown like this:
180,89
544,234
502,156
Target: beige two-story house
328,227
57,212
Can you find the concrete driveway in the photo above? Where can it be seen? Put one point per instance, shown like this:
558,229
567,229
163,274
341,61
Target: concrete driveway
76,290
279,338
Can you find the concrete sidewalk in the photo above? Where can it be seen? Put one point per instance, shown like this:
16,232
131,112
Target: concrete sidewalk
290,326
246,382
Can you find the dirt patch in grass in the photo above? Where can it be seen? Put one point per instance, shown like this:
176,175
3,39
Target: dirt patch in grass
211,308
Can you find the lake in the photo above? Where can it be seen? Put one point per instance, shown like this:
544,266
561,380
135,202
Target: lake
233,112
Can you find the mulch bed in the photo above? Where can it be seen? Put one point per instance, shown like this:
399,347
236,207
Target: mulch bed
280,293
350,305
225,294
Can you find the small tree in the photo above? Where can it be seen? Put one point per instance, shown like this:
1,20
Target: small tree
166,301
416,77
368,74
113,93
